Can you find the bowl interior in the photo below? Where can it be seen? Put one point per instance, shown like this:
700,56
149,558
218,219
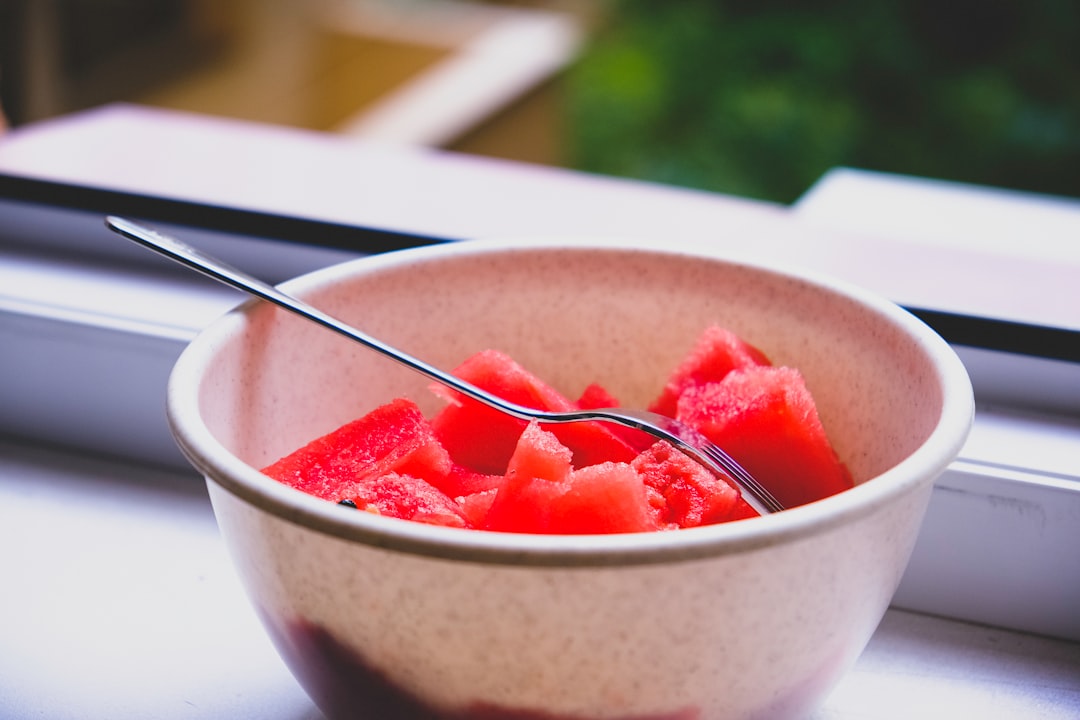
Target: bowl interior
573,314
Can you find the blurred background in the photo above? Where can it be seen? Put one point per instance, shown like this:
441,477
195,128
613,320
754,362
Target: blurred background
756,98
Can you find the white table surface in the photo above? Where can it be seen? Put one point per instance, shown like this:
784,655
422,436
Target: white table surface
119,602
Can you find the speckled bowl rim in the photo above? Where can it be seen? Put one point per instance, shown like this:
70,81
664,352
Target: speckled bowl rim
223,468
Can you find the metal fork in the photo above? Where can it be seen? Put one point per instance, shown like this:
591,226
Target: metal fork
683,437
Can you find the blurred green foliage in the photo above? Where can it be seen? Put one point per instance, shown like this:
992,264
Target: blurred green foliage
758,98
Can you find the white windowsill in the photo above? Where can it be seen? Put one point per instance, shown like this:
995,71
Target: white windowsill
1007,510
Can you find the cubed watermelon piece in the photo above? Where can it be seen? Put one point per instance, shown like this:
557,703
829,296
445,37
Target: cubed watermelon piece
692,494
484,439
536,477
475,507
477,437
392,438
742,510
544,494
596,396
717,352
408,498
765,418
605,498
461,481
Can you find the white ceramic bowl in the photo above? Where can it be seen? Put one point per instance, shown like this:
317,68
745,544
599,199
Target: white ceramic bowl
381,618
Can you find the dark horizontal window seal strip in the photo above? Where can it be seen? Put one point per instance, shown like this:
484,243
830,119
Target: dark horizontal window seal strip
211,217
1007,336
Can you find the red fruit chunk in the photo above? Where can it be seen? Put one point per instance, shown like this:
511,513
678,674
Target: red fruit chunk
593,443
605,498
462,481
716,353
596,396
742,510
543,494
765,418
536,477
475,507
484,439
392,438
408,498
476,437
692,495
